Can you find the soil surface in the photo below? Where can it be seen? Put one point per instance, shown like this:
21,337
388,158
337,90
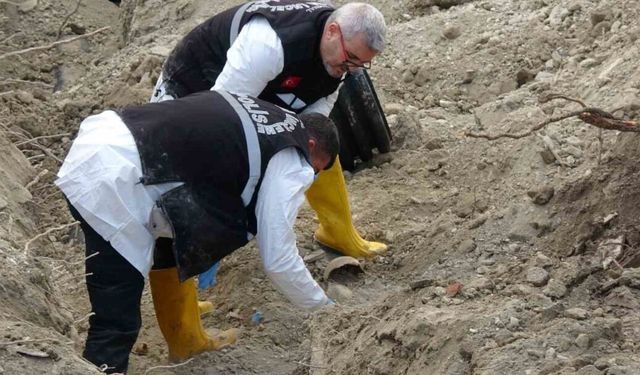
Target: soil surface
509,256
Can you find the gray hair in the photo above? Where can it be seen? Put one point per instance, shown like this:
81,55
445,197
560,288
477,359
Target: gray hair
355,18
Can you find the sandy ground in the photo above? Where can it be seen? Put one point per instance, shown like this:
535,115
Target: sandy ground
512,256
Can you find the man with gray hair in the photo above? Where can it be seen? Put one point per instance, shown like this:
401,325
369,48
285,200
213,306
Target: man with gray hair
294,54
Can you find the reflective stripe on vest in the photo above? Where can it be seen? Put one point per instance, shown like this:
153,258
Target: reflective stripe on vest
235,23
253,147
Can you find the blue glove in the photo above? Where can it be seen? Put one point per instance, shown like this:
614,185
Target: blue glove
207,279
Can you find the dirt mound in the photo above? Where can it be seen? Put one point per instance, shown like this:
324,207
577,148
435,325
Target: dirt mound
507,256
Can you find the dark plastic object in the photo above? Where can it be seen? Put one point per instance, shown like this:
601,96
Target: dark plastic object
360,119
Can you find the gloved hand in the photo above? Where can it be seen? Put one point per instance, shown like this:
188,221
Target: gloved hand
207,279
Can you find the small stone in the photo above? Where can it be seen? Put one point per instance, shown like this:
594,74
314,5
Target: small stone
547,156
544,77
599,312
598,16
433,144
478,222
574,7
573,151
514,323
601,28
537,276
453,289
451,32
541,196
3,204
77,28
467,246
622,370
423,76
583,341
339,292
588,63
550,354
557,15
25,97
407,76
576,313
469,75
480,283
589,370
601,364
555,289
523,76
542,260
393,108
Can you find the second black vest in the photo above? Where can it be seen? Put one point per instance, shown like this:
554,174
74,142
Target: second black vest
198,59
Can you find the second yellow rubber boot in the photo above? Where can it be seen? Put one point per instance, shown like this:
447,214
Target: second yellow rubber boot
328,197
204,307
178,315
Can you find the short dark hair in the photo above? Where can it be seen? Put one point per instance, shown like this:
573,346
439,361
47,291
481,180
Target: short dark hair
324,131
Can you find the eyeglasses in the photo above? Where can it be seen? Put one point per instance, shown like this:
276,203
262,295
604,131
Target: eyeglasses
348,62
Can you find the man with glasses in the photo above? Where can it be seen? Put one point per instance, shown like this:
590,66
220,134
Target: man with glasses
294,54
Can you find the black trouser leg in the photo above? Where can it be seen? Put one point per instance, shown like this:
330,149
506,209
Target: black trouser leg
115,288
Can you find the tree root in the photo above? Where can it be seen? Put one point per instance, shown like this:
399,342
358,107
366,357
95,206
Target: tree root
590,115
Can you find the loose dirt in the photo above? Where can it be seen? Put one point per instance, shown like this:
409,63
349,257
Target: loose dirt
507,256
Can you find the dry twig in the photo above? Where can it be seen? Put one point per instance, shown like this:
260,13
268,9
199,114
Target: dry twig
51,45
36,179
3,41
592,116
47,232
10,81
66,19
89,315
168,366
10,3
4,343
43,137
47,151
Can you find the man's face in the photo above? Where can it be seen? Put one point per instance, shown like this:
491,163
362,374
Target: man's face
319,159
340,55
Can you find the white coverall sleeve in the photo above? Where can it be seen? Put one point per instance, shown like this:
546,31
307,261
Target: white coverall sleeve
323,105
281,194
255,58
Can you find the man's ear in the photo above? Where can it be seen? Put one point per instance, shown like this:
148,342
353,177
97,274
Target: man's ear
332,28
312,144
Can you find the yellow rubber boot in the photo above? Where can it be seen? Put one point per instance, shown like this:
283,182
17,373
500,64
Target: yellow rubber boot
204,307
178,316
328,197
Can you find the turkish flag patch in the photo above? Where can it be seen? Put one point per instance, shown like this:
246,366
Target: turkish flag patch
291,82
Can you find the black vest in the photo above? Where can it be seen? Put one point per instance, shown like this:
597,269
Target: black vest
196,62
219,145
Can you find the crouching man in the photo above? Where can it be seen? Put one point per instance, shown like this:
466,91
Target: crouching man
167,189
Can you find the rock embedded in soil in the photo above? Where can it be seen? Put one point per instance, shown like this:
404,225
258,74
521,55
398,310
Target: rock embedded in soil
583,341
541,196
576,313
393,108
339,292
589,370
555,289
480,284
537,276
467,246
542,260
451,32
